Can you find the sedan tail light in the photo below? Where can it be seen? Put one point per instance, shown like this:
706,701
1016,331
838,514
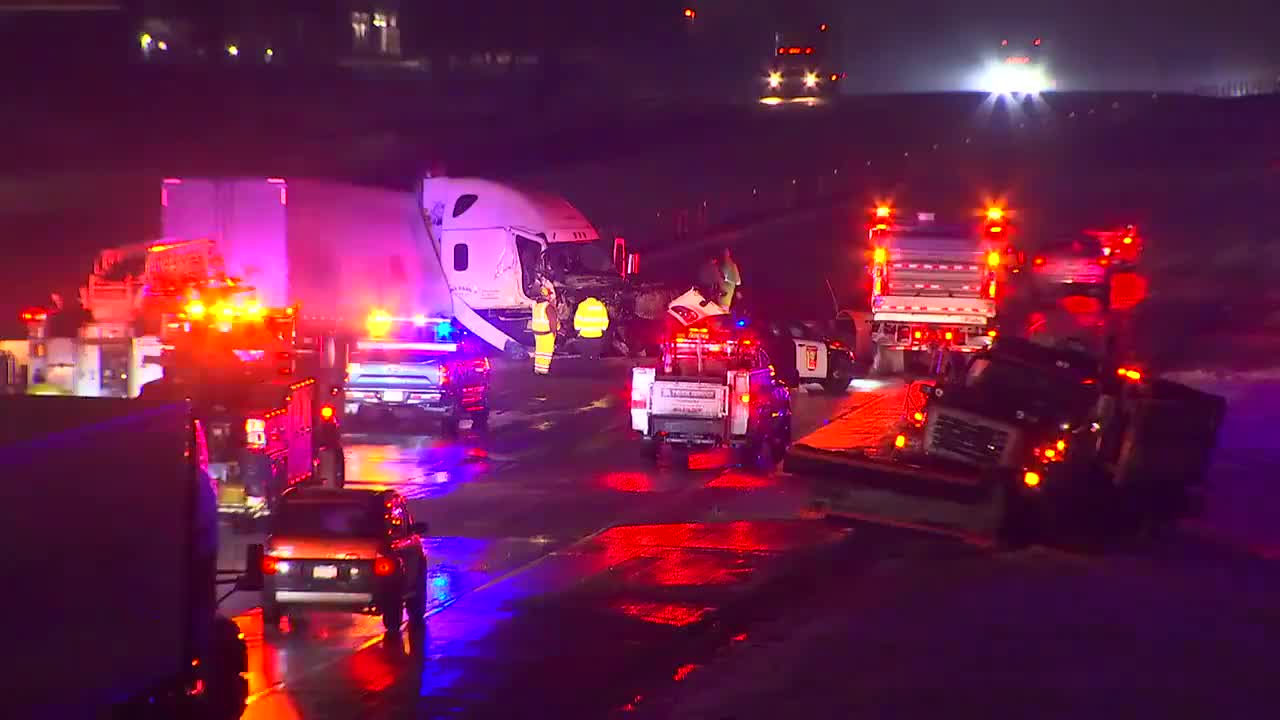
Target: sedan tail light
269,564
383,566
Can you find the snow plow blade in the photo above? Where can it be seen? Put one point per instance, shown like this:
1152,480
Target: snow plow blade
866,488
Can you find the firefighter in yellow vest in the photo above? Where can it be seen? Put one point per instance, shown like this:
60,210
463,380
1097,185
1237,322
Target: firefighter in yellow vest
544,324
591,321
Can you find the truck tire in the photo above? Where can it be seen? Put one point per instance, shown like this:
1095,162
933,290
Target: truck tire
392,615
271,614
416,604
837,381
328,473
226,689
650,450
480,421
449,426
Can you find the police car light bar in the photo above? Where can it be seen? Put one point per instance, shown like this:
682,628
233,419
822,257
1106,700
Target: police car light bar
428,346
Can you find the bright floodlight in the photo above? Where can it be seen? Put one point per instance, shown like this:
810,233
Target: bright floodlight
1008,79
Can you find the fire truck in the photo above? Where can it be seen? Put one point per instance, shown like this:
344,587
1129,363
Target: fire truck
130,306
934,286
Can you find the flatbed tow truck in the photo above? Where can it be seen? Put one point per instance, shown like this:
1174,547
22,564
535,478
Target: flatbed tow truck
1032,442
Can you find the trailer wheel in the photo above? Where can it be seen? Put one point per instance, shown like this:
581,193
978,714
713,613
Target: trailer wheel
226,689
328,463
392,615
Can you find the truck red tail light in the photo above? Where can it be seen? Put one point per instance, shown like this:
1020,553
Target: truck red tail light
326,413
384,566
1129,374
255,433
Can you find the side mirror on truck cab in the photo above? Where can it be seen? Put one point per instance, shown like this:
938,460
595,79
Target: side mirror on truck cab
252,580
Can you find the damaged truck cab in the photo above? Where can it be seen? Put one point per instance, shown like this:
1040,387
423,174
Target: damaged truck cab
1052,437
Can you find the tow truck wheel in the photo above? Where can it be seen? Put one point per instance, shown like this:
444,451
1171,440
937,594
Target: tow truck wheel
416,604
392,615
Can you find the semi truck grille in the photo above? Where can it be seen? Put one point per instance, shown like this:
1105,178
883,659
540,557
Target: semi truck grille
963,439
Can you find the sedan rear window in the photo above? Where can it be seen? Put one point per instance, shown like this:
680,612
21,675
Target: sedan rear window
326,519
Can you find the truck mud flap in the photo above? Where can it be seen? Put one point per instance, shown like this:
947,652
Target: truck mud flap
846,485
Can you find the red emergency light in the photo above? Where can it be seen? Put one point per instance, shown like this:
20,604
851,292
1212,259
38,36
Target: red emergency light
34,314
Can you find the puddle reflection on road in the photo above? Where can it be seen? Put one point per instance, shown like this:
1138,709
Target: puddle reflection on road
416,467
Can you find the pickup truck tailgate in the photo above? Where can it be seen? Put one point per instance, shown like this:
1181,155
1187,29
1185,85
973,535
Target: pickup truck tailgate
674,398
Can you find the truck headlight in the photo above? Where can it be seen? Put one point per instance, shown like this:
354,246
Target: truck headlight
775,79
811,80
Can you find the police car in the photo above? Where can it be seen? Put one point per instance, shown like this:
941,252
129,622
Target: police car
417,369
803,355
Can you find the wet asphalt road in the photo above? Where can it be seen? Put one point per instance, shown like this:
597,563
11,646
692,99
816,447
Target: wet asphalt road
570,578
567,573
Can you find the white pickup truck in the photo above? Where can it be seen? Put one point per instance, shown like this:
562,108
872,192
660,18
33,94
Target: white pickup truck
712,389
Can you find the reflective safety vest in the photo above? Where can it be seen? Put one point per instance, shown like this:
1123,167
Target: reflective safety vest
591,318
541,322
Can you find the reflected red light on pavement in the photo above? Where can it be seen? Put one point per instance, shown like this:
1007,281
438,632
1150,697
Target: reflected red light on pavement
636,482
371,670
743,535
741,481
1081,305
709,459
673,614
1127,290
694,569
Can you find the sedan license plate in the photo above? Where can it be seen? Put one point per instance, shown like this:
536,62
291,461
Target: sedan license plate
324,572
393,396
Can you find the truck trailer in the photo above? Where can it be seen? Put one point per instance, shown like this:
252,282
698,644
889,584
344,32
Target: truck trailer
461,248
114,526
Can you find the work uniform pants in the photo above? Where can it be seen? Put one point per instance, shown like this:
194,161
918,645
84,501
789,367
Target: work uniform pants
591,346
726,296
544,346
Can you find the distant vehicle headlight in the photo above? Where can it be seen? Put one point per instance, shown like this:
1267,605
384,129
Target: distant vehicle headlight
810,80
775,79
